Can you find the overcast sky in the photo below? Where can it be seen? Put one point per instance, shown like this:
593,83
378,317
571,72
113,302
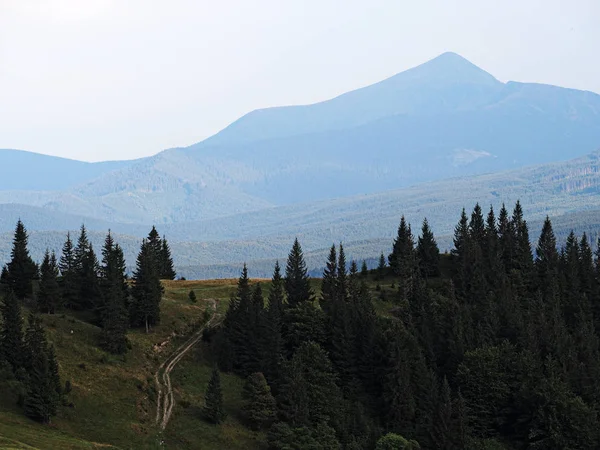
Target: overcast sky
107,79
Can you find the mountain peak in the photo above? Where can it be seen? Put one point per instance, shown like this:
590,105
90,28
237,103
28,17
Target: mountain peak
449,67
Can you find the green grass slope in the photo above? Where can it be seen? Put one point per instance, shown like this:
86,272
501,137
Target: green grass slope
114,397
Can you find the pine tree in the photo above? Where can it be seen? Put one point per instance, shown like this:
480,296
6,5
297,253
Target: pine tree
477,226
506,240
259,409
114,313
546,261
41,398
460,254
364,271
234,352
523,262
86,275
68,271
275,312
21,268
428,253
297,282
155,246
491,251
167,270
214,410
381,267
147,290
11,338
403,260
329,283
49,295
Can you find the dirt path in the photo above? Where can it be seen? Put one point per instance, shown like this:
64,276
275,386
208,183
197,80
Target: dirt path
165,399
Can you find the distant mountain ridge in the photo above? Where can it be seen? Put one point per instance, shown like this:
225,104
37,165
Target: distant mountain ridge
444,119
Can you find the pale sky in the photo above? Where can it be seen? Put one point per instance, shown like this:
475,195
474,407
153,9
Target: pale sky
108,79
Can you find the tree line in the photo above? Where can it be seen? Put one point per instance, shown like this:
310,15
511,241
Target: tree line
100,291
494,346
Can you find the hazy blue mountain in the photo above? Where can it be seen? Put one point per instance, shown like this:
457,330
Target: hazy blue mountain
445,118
21,170
447,83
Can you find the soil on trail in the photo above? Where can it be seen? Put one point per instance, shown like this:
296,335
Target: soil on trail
165,399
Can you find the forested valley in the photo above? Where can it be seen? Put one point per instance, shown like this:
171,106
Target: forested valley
492,345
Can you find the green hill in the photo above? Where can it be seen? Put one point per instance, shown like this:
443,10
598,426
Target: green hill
114,397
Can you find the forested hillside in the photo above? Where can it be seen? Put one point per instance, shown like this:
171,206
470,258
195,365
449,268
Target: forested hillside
493,346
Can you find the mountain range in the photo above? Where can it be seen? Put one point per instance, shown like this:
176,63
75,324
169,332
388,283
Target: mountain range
441,135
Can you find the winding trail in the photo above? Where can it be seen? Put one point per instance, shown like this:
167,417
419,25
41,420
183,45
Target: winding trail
165,400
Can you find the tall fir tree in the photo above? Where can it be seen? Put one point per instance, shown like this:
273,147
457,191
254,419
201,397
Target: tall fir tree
297,282
155,244
546,261
364,270
41,398
114,314
21,270
167,269
329,281
49,295
11,338
428,253
403,260
235,350
381,267
147,290
214,410
460,254
274,322
68,274
86,271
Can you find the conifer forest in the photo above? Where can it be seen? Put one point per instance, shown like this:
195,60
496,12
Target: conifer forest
492,345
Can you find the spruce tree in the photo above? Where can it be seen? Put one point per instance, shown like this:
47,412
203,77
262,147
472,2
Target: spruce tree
11,338
21,270
49,295
68,274
364,270
275,312
477,226
428,253
214,410
233,354
166,261
523,259
147,290
342,276
402,257
41,398
381,267
546,261
114,313
460,254
329,283
297,282
506,239
259,409
86,275
155,245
